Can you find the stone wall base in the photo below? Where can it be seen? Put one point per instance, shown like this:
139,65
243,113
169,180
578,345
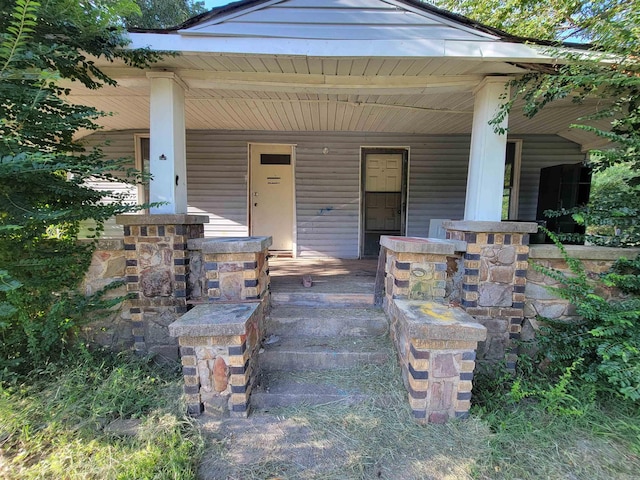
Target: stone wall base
156,271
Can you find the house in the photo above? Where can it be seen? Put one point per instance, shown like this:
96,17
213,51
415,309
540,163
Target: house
326,123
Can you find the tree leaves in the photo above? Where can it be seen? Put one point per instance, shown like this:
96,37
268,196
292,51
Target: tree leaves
607,336
22,21
163,13
45,171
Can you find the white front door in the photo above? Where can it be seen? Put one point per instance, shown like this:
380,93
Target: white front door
271,193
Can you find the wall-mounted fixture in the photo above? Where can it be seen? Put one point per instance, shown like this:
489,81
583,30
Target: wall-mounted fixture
162,157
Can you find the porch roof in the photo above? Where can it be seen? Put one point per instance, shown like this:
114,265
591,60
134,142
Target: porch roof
330,65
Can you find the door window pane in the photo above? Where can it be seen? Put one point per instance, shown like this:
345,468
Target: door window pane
275,159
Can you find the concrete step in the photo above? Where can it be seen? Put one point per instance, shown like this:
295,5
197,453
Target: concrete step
323,353
314,299
327,321
280,389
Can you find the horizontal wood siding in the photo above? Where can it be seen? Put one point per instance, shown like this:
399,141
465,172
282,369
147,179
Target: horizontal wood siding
437,181
539,151
328,195
217,181
336,19
328,185
114,145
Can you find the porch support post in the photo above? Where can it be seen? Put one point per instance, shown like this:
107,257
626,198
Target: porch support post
485,178
167,143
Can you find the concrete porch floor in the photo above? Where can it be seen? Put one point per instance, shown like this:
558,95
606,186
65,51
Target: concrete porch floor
329,275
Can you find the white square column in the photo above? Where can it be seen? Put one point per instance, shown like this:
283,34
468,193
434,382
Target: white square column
167,143
485,179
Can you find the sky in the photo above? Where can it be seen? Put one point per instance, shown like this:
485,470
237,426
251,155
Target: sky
209,4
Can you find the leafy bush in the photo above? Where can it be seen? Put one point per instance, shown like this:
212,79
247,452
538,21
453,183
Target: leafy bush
606,340
45,171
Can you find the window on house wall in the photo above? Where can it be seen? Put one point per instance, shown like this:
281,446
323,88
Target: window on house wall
511,188
142,164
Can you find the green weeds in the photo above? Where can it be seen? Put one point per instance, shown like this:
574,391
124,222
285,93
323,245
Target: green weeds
62,422
543,429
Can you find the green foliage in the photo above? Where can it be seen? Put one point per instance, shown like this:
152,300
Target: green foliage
556,398
614,207
607,23
534,437
606,339
612,214
56,425
44,170
551,20
163,13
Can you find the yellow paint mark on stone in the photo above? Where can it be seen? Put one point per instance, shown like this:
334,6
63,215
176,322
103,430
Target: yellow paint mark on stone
441,315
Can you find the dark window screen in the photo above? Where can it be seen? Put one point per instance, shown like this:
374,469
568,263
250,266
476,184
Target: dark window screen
275,159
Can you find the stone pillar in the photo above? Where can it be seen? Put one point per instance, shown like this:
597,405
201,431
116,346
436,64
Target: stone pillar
167,143
219,345
157,266
416,268
493,285
230,269
436,346
485,179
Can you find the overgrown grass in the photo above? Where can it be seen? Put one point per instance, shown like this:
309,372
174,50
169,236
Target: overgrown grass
59,425
502,439
60,422
377,438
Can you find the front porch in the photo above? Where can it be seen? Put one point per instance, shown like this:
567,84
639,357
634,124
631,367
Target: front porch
273,130
332,279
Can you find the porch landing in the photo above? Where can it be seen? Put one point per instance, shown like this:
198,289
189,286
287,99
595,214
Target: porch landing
329,275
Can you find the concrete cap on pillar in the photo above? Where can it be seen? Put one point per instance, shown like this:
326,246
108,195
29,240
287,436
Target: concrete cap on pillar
161,219
213,320
230,244
436,321
490,227
419,245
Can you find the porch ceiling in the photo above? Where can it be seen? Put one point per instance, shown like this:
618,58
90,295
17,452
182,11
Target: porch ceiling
284,93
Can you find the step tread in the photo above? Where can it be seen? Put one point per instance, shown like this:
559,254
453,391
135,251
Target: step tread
322,299
264,400
323,353
322,312
316,344
333,321
283,389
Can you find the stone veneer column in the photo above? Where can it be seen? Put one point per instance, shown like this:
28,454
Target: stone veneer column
436,341
436,346
219,346
416,268
230,269
157,266
493,285
220,338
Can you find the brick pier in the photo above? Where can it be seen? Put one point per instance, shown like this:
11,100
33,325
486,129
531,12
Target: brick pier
494,280
157,267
